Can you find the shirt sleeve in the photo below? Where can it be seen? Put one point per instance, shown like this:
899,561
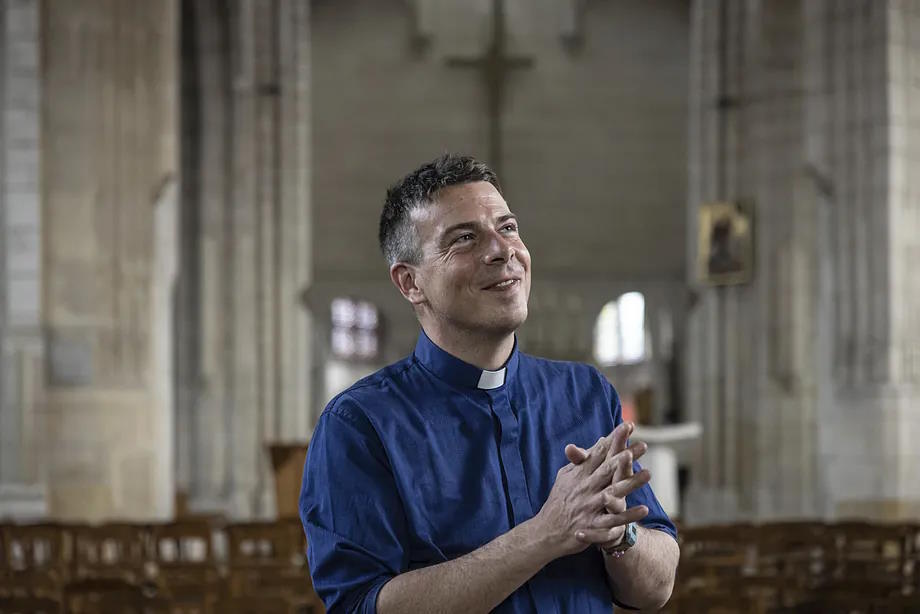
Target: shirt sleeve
657,518
351,512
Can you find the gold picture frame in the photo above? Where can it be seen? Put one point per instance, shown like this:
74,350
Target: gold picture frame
725,248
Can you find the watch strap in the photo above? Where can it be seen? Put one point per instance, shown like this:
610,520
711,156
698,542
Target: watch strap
630,536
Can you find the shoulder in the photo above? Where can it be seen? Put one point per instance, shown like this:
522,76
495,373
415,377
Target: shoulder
568,371
355,402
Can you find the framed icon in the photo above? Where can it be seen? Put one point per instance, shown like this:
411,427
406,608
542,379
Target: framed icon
726,244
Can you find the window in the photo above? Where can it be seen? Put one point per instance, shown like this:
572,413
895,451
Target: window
620,332
355,327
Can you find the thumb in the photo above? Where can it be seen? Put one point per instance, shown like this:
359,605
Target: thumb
575,454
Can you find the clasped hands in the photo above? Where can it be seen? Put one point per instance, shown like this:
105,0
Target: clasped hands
587,504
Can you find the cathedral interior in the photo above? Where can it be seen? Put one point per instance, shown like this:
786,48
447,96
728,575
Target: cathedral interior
717,196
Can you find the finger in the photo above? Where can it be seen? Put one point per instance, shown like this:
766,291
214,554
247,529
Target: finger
597,454
607,502
624,469
624,465
620,436
602,536
608,521
638,449
604,474
631,484
610,502
575,454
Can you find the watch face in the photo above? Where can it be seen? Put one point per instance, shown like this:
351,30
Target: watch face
631,534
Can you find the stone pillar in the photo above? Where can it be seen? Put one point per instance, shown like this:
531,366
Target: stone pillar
21,344
109,155
903,218
247,167
799,378
203,415
296,417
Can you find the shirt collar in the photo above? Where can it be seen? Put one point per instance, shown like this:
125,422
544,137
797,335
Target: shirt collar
460,373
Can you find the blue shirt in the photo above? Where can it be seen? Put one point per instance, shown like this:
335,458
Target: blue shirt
430,458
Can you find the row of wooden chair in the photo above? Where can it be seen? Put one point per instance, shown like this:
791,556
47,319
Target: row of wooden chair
852,566
185,567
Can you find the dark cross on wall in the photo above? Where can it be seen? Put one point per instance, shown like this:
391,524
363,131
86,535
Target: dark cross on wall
495,66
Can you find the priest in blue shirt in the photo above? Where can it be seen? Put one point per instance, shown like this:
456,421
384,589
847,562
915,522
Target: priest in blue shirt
469,476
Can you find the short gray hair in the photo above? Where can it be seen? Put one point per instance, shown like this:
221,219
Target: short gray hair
399,239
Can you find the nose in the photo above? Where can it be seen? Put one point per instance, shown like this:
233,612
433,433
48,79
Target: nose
497,249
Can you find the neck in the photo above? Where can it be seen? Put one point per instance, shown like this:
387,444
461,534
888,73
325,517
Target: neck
481,350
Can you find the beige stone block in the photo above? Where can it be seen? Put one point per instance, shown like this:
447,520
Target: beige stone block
82,502
133,485
885,510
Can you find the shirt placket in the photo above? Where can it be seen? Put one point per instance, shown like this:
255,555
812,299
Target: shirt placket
510,452
513,464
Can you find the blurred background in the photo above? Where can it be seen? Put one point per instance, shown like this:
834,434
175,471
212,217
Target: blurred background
191,191
720,199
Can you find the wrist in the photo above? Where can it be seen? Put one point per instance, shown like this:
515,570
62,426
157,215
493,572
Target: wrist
549,542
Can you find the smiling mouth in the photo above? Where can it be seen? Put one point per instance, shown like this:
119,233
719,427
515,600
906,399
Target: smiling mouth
504,285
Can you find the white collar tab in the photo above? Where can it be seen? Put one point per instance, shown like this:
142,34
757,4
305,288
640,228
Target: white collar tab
490,380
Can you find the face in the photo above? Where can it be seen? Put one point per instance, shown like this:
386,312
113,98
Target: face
475,271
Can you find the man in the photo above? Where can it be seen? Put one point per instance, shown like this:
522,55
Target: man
460,479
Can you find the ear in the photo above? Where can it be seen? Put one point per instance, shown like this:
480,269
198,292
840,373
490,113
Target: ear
403,277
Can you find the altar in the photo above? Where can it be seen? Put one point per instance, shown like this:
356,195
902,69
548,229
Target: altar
667,446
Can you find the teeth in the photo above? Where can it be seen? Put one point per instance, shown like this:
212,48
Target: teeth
505,283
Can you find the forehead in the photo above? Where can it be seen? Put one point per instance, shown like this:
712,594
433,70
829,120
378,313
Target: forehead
457,204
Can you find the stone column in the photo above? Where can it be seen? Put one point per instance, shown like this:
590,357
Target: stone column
800,378
109,155
247,163
295,418
203,415
21,344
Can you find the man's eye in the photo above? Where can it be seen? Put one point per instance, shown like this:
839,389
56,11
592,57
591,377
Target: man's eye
511,227
463,238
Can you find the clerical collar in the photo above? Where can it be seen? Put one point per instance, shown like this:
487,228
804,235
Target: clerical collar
459,373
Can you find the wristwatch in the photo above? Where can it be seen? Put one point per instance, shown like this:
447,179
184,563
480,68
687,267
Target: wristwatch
630,535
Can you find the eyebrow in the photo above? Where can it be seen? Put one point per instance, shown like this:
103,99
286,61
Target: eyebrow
473,225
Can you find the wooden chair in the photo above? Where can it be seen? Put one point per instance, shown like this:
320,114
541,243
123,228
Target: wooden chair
827,602
37,583
186,604
912,567
270,558
797,557
38,559
4,557
103,596
257,605
871,553
29,605
112,550
277,543
900,604
184,562
708,555
714,602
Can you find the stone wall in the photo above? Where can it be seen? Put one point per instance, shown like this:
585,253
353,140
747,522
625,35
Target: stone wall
21,342
109,155
792,374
